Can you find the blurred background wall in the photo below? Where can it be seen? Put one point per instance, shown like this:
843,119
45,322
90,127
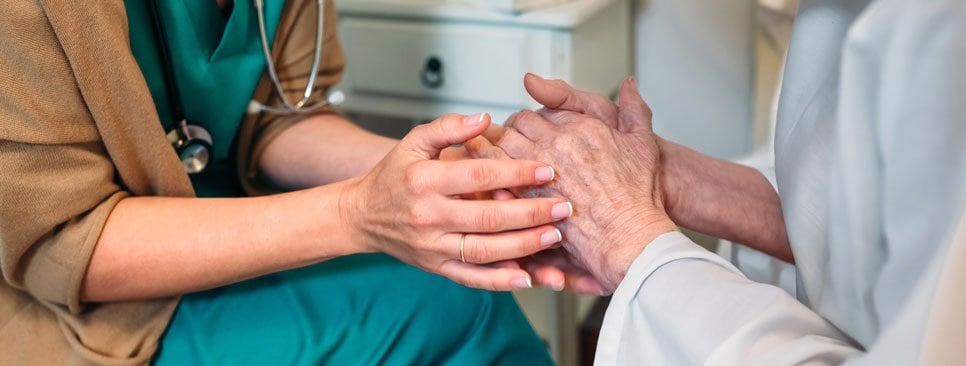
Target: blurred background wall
695,61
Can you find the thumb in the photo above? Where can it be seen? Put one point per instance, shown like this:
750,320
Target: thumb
557,94
431,138
634,114
552,94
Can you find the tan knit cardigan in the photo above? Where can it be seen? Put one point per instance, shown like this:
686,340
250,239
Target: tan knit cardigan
78,133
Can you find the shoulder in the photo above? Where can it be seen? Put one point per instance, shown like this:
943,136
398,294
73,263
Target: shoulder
43,102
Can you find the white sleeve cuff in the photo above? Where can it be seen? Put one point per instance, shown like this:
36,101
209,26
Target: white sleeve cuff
665,249
681,304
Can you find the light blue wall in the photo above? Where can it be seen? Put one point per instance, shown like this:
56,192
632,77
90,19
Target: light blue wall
695,65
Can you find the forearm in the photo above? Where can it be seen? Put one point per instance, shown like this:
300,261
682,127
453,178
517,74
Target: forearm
723,199
155,247
320,150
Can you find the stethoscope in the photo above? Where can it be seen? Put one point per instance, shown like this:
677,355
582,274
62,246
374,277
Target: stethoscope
193,143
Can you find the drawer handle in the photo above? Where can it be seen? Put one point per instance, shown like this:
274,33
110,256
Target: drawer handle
432,74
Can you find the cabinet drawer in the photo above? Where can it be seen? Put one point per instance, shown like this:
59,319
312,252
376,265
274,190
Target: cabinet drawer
449,62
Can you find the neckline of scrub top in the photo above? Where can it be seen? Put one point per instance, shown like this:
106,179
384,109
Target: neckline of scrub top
217,62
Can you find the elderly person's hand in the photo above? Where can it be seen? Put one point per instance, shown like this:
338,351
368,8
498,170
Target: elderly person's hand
553,268
610,175
558,95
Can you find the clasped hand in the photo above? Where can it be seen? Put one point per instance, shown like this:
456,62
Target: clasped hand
567,196
412,206
608,163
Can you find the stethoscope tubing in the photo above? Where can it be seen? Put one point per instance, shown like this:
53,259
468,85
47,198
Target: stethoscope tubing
192,142
174,94
299,107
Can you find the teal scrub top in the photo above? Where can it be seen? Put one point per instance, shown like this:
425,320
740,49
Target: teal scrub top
217,61
338,312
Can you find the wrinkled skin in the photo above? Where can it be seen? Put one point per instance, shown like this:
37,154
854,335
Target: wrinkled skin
607,164
554,268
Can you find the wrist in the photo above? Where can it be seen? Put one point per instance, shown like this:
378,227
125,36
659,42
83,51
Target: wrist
305,226
351,211
629,245
676,176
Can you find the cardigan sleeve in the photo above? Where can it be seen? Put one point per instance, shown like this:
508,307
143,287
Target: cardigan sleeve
293,50
57,182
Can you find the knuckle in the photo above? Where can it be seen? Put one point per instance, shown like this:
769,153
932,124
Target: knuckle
525,175
478,253
510,121
491,219
514,150
415,179
571,100
474,145
538,215
524,119
420,215
555,116
441,128
448,121
481,176
528,245
492,153
513,144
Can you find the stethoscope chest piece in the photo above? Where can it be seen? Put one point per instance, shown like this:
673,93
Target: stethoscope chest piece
193,144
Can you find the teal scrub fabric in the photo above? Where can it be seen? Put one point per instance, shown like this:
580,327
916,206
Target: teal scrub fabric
217,61
357,310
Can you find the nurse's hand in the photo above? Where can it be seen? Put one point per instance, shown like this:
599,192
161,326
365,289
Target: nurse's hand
408,206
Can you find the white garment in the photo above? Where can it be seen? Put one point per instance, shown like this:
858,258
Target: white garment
871,170
775,18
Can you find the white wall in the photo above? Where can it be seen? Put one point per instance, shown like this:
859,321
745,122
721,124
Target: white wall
695,65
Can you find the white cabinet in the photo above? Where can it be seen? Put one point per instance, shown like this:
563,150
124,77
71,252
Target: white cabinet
414,60
419,59
454,63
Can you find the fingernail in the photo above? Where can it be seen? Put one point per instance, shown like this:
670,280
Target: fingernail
550,238
521,282
558,287
562,210
474,120
633,81
545,174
